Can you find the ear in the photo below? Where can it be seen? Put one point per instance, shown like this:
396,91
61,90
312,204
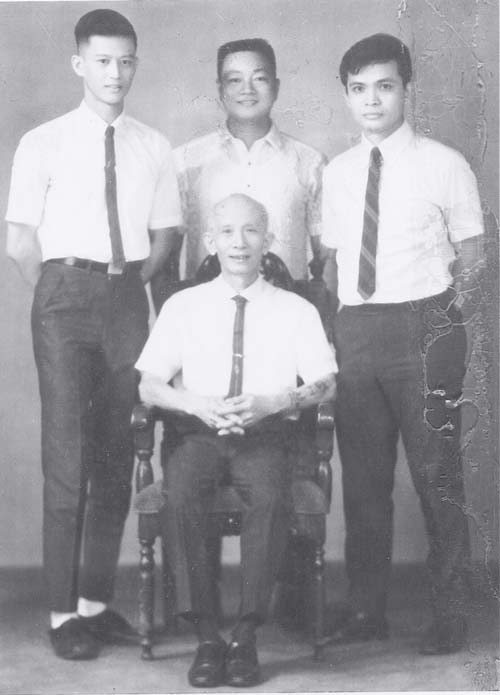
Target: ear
408,92
277,85
76,64
268,240
220,90
209,243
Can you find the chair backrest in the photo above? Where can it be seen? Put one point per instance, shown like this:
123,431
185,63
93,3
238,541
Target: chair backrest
274,271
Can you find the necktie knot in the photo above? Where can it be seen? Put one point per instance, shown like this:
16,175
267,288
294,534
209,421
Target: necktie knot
376,158
109,132
240,300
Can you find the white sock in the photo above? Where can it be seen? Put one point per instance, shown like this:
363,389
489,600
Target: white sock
57,619
88,609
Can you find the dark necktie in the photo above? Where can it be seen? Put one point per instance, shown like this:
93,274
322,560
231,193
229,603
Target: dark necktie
236,382
367,257
111,202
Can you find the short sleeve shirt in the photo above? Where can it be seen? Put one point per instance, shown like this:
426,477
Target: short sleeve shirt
58,185
280,172
428,201
283,339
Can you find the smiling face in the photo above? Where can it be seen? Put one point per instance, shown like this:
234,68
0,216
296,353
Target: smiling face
376,98
107,66
239,236
248,87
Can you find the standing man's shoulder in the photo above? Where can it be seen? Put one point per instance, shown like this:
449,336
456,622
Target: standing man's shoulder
151,138
308,154
343,161
50,131
437,154
198,151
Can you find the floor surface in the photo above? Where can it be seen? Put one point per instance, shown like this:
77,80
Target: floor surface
28,666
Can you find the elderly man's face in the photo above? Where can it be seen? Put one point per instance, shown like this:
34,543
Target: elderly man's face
239,237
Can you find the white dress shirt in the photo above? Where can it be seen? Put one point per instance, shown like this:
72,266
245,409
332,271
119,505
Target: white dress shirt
58,185
283,339
428,201
282,173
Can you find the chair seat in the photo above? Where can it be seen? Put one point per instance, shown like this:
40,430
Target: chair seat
308,498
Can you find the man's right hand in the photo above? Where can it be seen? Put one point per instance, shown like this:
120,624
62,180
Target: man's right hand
207,409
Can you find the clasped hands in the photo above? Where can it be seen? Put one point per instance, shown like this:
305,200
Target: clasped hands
233,415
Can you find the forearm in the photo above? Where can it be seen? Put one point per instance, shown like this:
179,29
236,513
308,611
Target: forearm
163,243
156,392
311,394
316,246
24,249
467,270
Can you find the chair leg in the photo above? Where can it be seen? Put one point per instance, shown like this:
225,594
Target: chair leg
146,598
319,601
169,612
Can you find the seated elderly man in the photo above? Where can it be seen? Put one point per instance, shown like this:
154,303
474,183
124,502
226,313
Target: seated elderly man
240,343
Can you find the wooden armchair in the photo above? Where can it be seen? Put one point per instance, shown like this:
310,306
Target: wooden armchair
311,487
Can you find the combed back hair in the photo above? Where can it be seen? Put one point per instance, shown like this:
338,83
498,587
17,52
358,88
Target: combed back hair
243,198
260,46
103,23
378,48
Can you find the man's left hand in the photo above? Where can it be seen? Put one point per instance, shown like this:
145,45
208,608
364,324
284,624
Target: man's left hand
249,409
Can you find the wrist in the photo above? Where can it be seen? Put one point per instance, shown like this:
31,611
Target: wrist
290,403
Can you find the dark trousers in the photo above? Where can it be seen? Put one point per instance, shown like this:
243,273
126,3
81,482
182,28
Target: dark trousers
88,330
258,467
391,360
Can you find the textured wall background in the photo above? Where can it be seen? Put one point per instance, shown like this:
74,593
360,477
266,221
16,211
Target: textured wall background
455,45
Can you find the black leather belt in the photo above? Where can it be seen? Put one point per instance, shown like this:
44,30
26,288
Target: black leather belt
96,266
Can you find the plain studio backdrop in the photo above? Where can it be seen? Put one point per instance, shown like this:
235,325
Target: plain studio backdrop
455,99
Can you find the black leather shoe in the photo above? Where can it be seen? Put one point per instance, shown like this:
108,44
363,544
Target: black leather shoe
242,665
72,641
207,670
111,628
444,637
360,627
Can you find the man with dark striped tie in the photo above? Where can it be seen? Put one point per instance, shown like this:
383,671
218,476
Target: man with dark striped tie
403,216
240,343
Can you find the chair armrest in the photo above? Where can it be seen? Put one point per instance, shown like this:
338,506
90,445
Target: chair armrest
325,425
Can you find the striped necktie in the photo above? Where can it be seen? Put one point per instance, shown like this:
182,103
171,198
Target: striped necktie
367,257
236,382
118,255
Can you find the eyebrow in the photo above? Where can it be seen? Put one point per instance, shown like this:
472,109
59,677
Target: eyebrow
108,55
360,82
260,69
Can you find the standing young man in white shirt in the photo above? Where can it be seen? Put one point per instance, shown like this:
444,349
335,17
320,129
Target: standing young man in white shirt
249,154
92,210
402,213
240,343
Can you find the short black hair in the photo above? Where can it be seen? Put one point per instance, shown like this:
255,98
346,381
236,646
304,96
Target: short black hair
378,48
260,46
103,23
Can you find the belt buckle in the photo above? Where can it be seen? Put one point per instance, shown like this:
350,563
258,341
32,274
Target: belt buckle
114,269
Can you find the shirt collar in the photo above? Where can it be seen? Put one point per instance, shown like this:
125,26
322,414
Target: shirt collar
251,293
273,136
391,146
94,122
